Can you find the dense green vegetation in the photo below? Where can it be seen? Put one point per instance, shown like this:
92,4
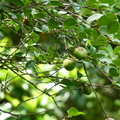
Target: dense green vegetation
36,36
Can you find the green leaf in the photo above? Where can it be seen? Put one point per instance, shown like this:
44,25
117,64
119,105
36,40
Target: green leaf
50,48
69,22
109,49
98,55
100,43
94,34
67,83
1,35
103,37
117,62
117,49
52,24
103,29
112,27
113,71
116,41
40,57
118,85
40,15
35,37
117,36
37,30
104,52
92,50
30,64
56,3
107,1
27,12
94,17
79,75
85,11
117,4
115,84
82,35
18,56
118,81
2,6
74,112
105,19
45,28
88,31
17,2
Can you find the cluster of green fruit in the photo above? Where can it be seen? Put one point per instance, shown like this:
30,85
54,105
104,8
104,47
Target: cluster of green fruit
69,64
79,53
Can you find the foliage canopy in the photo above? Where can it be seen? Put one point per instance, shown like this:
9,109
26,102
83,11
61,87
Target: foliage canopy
36,36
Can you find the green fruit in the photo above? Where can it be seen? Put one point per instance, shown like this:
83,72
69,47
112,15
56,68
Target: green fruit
80,53
69,64
87,90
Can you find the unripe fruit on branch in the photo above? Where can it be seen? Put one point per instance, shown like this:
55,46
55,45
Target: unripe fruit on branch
80,53
69,64
87,90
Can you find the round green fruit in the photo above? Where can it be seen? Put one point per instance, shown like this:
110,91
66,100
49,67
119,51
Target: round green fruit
69,64
80,53
87,90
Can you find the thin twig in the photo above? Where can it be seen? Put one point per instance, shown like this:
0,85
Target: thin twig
95,91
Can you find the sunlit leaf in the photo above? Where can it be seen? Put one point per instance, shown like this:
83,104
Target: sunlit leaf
110,49
117,4
13,100
74,112
117,62
1,35
45,28
3,42
117,49
37,30
94,17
